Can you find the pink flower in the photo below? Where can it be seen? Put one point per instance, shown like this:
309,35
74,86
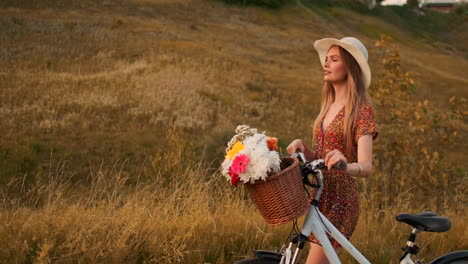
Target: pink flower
239,164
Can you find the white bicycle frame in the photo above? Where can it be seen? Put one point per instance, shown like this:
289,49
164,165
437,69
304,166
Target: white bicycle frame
316,223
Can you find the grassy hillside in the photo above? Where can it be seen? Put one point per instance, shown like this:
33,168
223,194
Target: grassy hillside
104,103
92,80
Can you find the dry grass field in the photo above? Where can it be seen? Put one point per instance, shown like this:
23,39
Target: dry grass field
115,114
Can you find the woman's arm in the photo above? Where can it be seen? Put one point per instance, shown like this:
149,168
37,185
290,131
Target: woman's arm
363,168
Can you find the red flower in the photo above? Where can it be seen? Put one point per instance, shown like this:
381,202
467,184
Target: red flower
234,178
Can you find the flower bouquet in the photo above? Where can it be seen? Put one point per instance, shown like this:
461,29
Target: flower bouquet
274,183
251,156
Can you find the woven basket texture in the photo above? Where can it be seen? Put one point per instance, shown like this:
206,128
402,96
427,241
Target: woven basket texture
281,198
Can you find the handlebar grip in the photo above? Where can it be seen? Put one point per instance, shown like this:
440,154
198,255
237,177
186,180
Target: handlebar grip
341,165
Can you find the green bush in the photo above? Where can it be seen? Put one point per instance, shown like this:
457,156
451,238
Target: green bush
412,3
460,10
267,3
349,4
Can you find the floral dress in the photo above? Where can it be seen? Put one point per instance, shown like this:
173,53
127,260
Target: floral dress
340,201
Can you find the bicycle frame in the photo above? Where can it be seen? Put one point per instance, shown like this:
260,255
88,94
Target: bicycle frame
316,223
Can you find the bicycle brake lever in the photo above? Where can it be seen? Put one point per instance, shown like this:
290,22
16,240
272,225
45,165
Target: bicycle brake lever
299,155
318,165
305,177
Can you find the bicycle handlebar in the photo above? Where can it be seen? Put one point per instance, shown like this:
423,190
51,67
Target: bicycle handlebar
314,168
319,164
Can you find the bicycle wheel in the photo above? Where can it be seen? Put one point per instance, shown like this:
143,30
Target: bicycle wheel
257,261
456,257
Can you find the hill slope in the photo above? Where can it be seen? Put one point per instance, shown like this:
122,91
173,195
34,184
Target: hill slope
90,81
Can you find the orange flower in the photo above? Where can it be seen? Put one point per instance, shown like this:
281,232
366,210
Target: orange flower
272,143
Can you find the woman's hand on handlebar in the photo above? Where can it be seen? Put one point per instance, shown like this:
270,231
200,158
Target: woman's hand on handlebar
295,145
333,157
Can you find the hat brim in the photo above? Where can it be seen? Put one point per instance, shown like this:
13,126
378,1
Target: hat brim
323,45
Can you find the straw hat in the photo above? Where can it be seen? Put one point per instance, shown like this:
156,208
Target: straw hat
353,46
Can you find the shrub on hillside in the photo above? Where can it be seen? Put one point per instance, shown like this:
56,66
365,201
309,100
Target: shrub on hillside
358,6
267,3
461,9
415,137
412,3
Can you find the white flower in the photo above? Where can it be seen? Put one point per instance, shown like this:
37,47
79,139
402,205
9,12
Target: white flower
262,160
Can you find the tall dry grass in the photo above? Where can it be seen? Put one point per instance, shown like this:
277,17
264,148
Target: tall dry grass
186,213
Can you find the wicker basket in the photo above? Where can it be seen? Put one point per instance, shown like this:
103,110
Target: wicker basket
281,198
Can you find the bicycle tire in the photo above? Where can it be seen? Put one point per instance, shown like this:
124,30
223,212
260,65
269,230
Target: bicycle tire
456,257
257,261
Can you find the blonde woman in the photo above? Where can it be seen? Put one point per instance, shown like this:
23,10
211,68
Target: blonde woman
343,130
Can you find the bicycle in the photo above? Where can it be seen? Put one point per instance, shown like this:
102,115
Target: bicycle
316,223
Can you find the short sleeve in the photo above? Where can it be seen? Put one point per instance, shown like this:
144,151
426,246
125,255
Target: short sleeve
365,123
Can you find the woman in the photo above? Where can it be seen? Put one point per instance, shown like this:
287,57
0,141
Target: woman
344,130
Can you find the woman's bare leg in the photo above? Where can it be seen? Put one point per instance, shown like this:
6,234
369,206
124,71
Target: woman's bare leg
317,255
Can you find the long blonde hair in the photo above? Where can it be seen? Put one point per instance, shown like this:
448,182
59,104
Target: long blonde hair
357,95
